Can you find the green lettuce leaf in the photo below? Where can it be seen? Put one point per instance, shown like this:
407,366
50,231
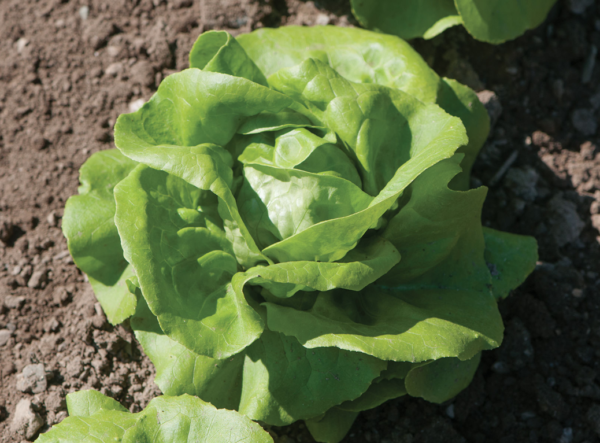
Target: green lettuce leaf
97,418
184,263
92,237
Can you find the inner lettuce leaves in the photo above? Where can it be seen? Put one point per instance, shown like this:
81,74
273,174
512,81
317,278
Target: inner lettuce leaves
288,227
492,21
184,419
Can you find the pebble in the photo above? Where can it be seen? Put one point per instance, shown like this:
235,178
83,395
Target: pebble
84,12
5,335
136,105
492,104
38,279
25,421
584,121
52,219
114,69
21,43
322,20
14,302
32,379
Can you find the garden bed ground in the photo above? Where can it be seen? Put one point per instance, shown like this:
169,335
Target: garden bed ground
69,68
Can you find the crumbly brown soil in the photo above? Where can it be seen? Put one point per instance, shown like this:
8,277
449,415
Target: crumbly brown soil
63,82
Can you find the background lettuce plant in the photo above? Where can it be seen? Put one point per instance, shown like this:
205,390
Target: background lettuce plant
492,21
95,417
288,227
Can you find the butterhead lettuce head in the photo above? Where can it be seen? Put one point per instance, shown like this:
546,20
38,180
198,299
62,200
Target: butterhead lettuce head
288,225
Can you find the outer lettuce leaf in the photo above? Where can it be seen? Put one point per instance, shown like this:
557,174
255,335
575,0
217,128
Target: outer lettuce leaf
284,381
510,258
492,21
496,21
333,426
184,263
97,418
442,379
404,18
88,224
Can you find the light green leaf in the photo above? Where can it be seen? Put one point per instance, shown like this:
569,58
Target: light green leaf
187,419
268,122
510,258
358,55
285,382
441,380
285,202
373,258
181,371
496,21
218,51
404,18
87,403
332,427
92,237
181,419
441,25
438,294
184,263
173,132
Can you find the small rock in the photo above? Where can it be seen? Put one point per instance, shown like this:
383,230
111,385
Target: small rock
21,43
32,379
136,104
25,421
52,219
450,411
566,223
5,335
14,302
584,121
60,296
579,6
84,12
522,182
501,367
38,279
492,104
113,51
114,69
322,20
143,73
51,325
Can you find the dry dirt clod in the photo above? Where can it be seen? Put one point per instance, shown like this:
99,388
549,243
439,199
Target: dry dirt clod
38,279
566,224
26,422
32,379
14,302
5,335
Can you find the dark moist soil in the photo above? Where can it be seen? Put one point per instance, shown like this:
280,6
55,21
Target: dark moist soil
69,68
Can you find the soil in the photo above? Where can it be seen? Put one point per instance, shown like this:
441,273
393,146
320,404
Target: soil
69,68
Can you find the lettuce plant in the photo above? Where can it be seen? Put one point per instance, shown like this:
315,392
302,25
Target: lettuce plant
94,417
288,228
492,21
